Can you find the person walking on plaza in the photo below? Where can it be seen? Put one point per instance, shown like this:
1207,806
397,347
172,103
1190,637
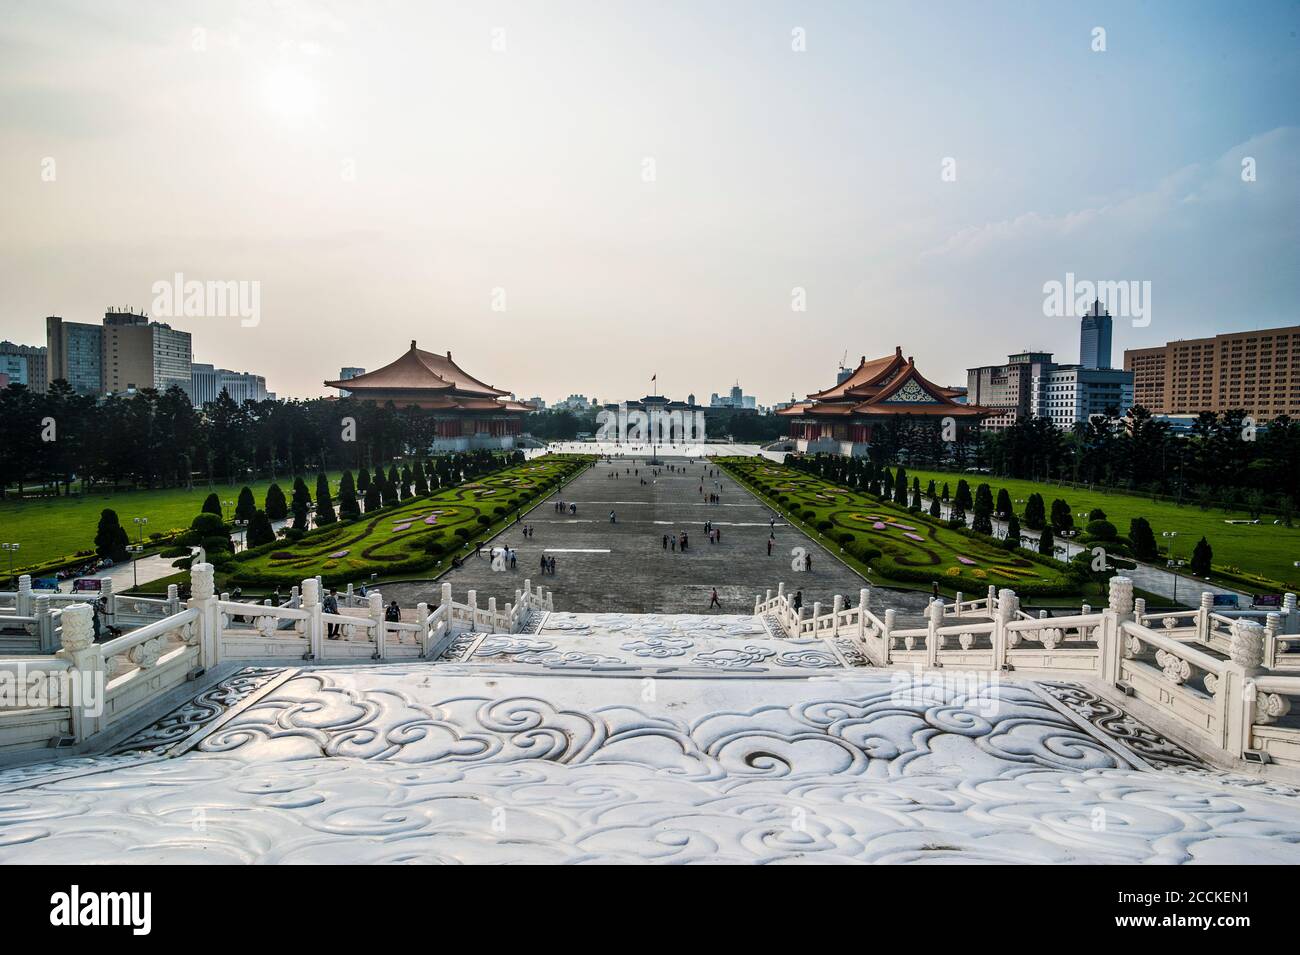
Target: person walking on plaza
797,603
331,605
612,518
665,542
394,613
769,547
714,601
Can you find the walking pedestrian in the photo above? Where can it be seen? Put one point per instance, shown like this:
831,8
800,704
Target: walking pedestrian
331,605
713,600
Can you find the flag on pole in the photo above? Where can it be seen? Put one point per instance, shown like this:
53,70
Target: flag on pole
653,379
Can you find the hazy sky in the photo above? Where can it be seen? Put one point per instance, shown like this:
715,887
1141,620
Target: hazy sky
381,168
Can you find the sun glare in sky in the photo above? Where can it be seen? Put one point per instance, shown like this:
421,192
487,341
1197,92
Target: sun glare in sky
289,93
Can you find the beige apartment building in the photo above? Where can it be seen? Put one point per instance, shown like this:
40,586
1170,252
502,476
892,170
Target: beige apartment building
1257,372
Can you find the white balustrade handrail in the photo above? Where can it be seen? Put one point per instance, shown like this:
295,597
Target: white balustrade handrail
1056,623
1178,648
158,628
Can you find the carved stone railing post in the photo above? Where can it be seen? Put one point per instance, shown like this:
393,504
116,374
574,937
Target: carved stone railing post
1006,603
888,636
1118,611
1290,614
380,638
173,600
1237,696
203,598
44,625
1121,596
933,642
956,604
422,635
314,630
492,614
1203,622
87,660
1272,632
23,598
1139,608
446,603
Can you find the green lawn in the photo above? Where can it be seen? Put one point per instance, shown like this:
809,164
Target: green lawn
898,546
414,537
1262,549
52,528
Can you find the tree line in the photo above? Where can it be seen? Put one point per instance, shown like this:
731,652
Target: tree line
158,439
1224,459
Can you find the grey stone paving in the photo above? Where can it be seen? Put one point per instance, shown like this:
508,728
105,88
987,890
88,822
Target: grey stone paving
623,566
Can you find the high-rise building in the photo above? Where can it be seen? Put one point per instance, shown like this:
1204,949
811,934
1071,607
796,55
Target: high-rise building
75,353
127,353
1072,394
25,364
141,354
347,373
207,382
1008,390
1094,337
1257,372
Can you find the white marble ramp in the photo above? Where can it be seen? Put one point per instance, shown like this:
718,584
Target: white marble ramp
617,641
462,763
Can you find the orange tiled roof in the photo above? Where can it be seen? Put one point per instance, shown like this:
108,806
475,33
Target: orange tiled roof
419,370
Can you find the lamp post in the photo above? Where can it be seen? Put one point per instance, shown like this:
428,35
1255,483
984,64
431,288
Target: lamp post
140,523
134,550
11,549
242,529
1172,562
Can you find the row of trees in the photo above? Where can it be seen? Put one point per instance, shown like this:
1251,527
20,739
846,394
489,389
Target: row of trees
366,492
158,439
982,505
1225,458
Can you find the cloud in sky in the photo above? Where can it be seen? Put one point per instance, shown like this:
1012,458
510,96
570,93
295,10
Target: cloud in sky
212,141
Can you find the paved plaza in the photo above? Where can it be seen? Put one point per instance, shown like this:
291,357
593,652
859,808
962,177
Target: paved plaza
624,565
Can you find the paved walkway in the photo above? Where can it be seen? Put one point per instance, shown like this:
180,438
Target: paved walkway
601,566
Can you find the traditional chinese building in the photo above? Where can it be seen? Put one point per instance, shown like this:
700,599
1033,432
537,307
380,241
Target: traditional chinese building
468,413
841,419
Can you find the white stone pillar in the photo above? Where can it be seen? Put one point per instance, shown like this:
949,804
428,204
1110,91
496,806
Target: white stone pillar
492,614
1238,694
1203,612
315,632
956,607
110,602
204,599
1290,614
86,658
1121,596
44,625
1139,608
23,599
933,641
380,637
888,635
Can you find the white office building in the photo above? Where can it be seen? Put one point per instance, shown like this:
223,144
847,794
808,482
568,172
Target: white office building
207,382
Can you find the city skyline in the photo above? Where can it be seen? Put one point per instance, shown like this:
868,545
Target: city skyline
381,184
